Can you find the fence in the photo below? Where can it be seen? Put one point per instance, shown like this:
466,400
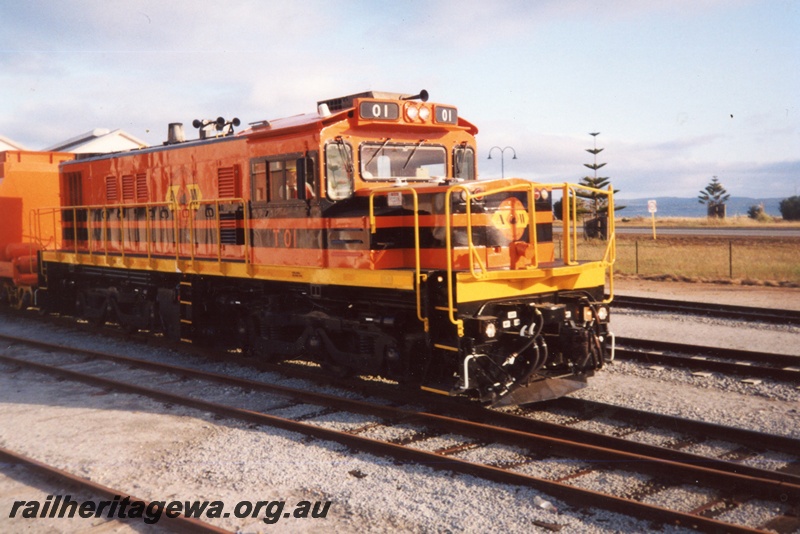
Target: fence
704,258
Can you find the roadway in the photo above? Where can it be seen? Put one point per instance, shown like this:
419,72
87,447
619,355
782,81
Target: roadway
719,232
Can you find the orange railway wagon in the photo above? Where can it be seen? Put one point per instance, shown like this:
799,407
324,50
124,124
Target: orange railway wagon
357,236
28,180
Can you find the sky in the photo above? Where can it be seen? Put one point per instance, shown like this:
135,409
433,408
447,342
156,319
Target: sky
680,90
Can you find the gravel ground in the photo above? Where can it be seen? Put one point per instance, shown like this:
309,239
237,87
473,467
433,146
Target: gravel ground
165,453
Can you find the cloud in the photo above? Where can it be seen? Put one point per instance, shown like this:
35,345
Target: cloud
537,76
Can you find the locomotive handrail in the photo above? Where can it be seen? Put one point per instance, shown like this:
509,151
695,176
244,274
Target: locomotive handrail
195,205
34,229
571,253
473,253
473,256
532,233
610,257
105,229
569,192
373,229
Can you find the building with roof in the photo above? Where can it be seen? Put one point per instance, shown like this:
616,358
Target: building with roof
8,144
99,141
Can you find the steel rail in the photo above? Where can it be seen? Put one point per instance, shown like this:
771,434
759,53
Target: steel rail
776,490
508,420
775,359
724,311
782,367
741,436
180,523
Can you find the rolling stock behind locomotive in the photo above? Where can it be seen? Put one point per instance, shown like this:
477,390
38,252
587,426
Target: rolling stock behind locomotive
357,236
28,180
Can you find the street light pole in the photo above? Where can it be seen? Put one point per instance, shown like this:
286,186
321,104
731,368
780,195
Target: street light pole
502,159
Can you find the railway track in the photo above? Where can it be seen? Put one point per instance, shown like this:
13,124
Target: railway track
780,367
61,478
638,482
722,311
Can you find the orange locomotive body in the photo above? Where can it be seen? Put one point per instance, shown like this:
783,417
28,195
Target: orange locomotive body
357,236
28,180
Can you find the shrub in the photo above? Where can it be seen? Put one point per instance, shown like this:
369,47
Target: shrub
757,213
790,208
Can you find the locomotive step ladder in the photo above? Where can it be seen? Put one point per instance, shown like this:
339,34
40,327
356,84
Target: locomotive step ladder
185,311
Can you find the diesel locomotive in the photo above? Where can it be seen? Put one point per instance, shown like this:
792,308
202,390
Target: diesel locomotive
357,236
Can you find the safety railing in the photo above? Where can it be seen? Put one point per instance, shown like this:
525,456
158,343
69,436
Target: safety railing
417,264
474,255
104,238
477,268
570,242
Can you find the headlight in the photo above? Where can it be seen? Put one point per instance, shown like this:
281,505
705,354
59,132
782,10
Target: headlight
602,313
424,113
482,328
412,112
490,330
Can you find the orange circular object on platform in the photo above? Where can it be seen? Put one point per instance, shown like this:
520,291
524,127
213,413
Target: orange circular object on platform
511,218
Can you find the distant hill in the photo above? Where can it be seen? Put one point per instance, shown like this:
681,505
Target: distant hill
690,207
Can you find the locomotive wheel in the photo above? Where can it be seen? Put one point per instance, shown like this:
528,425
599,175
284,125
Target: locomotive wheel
85,311
4,289
337,371
25,298
127,327
253,342
19,298
170,328
141,316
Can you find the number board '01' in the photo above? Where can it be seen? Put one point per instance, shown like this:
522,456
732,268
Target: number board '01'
384,111
446,115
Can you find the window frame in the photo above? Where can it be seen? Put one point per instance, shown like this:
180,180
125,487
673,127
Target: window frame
288,161
466,148
331,193
400,145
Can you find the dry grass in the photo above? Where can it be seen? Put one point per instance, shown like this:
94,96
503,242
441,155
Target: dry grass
739,221
745,260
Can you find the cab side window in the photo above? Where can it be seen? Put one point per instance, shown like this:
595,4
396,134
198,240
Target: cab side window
283,180
339,170
274,179
464,163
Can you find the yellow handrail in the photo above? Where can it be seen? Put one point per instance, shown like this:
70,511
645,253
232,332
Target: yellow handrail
529,189
105,237
569,199
417,262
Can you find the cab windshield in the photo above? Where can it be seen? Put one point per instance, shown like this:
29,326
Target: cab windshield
407,161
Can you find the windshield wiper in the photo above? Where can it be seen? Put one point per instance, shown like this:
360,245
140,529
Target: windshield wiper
345,155
459,160
376,152
413,152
